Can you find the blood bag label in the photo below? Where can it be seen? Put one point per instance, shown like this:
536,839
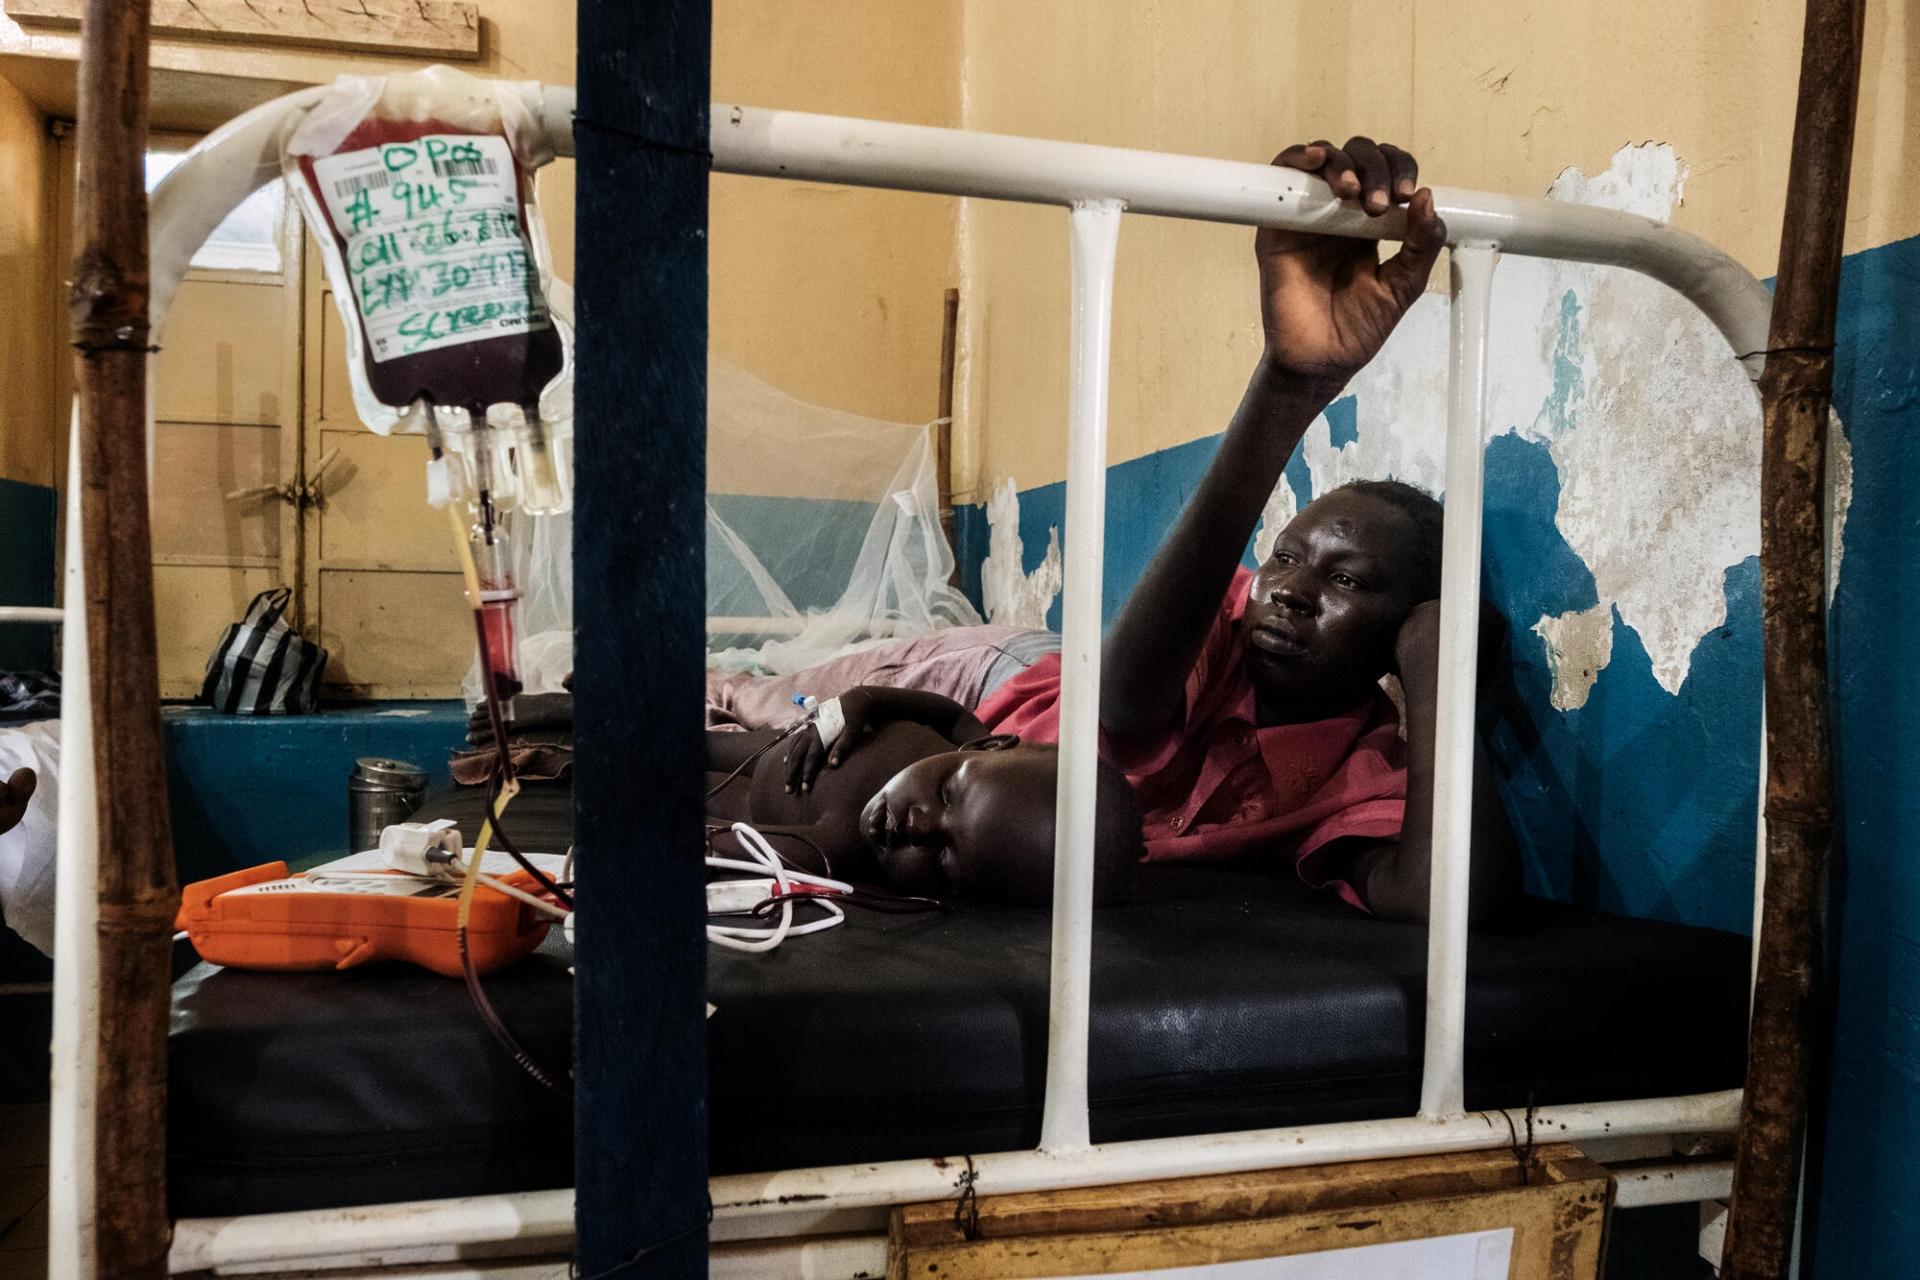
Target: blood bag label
434,247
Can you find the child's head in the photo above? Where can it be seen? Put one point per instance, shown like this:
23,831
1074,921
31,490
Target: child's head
1327,605
978,823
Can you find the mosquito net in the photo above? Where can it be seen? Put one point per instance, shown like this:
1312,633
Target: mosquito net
823,534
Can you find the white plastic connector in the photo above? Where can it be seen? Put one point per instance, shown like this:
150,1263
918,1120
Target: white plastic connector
423,848
736,897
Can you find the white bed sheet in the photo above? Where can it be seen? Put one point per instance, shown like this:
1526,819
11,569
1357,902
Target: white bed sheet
29,852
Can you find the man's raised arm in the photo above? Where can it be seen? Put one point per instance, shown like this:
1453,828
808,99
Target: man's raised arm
1327,304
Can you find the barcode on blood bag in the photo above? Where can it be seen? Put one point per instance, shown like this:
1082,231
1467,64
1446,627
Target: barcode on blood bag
365,182
464,168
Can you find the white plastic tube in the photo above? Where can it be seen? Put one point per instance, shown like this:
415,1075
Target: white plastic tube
76,976
1443,1069
530,1217
30,613
1095,234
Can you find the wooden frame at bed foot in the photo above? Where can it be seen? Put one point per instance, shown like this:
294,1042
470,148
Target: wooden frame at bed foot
1543,1211
787,1211
1512,1212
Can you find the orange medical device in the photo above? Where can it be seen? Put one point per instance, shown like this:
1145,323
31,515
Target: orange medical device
265,918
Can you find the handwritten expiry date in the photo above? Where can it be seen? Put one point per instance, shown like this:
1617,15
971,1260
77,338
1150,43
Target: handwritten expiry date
434,243
401,286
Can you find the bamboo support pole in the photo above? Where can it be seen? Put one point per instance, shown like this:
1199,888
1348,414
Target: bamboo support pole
1795,389
137,893
943,430
949,336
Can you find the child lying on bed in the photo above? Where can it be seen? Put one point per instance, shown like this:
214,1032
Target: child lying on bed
919,796
1245,707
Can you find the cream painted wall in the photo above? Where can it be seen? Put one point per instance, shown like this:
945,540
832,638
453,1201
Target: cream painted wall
1488,96
27,284
834,293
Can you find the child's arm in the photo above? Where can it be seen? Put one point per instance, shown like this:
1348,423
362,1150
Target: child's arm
870,706
1394,877
1327,304
730,749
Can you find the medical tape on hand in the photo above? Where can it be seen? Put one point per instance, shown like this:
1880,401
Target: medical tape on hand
829,722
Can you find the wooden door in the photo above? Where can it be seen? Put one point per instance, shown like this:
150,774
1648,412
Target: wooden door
382,577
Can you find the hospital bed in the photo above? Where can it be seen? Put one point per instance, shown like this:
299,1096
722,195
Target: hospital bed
1223,1000
1030,1014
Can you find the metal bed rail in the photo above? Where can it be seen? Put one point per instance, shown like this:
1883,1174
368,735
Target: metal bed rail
1097,185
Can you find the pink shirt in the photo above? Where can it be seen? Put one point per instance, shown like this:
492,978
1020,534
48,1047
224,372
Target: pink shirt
1219,785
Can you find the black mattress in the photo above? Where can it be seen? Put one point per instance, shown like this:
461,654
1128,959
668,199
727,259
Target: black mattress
1222,1000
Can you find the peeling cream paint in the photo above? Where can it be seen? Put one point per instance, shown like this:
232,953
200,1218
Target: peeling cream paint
1014,597
1579,645
1653,427
1281,507
1839,498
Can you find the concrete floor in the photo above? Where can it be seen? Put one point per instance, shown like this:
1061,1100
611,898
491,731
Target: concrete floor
23,1192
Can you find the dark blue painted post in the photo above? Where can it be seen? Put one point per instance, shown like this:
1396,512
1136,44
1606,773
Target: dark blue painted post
640,1047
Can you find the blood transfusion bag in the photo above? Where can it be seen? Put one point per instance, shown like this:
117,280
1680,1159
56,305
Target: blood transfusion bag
419,188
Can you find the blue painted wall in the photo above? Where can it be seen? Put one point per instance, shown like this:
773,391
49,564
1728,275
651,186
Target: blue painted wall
253,789
26,571
1864,1181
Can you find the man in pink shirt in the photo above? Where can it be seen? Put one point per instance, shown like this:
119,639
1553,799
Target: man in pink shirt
1246,707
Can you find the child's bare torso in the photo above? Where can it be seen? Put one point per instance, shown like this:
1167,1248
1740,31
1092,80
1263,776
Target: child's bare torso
828,812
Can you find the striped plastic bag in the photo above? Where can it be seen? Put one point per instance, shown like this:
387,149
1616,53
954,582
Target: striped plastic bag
262,666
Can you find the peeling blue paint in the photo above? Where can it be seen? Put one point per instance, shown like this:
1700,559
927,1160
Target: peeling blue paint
1640,802
1144,498
1300,479
1569,379
1343,422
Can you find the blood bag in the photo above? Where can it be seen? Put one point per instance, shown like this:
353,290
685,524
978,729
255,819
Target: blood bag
419,188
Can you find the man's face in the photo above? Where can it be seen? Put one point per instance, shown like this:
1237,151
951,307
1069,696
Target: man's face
1327,605
975,823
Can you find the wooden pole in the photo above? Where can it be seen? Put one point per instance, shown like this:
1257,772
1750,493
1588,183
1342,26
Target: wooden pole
137,893
943,433
1795,390
949,334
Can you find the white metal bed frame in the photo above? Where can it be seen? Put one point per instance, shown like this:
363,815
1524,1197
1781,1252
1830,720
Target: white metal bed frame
821,1221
